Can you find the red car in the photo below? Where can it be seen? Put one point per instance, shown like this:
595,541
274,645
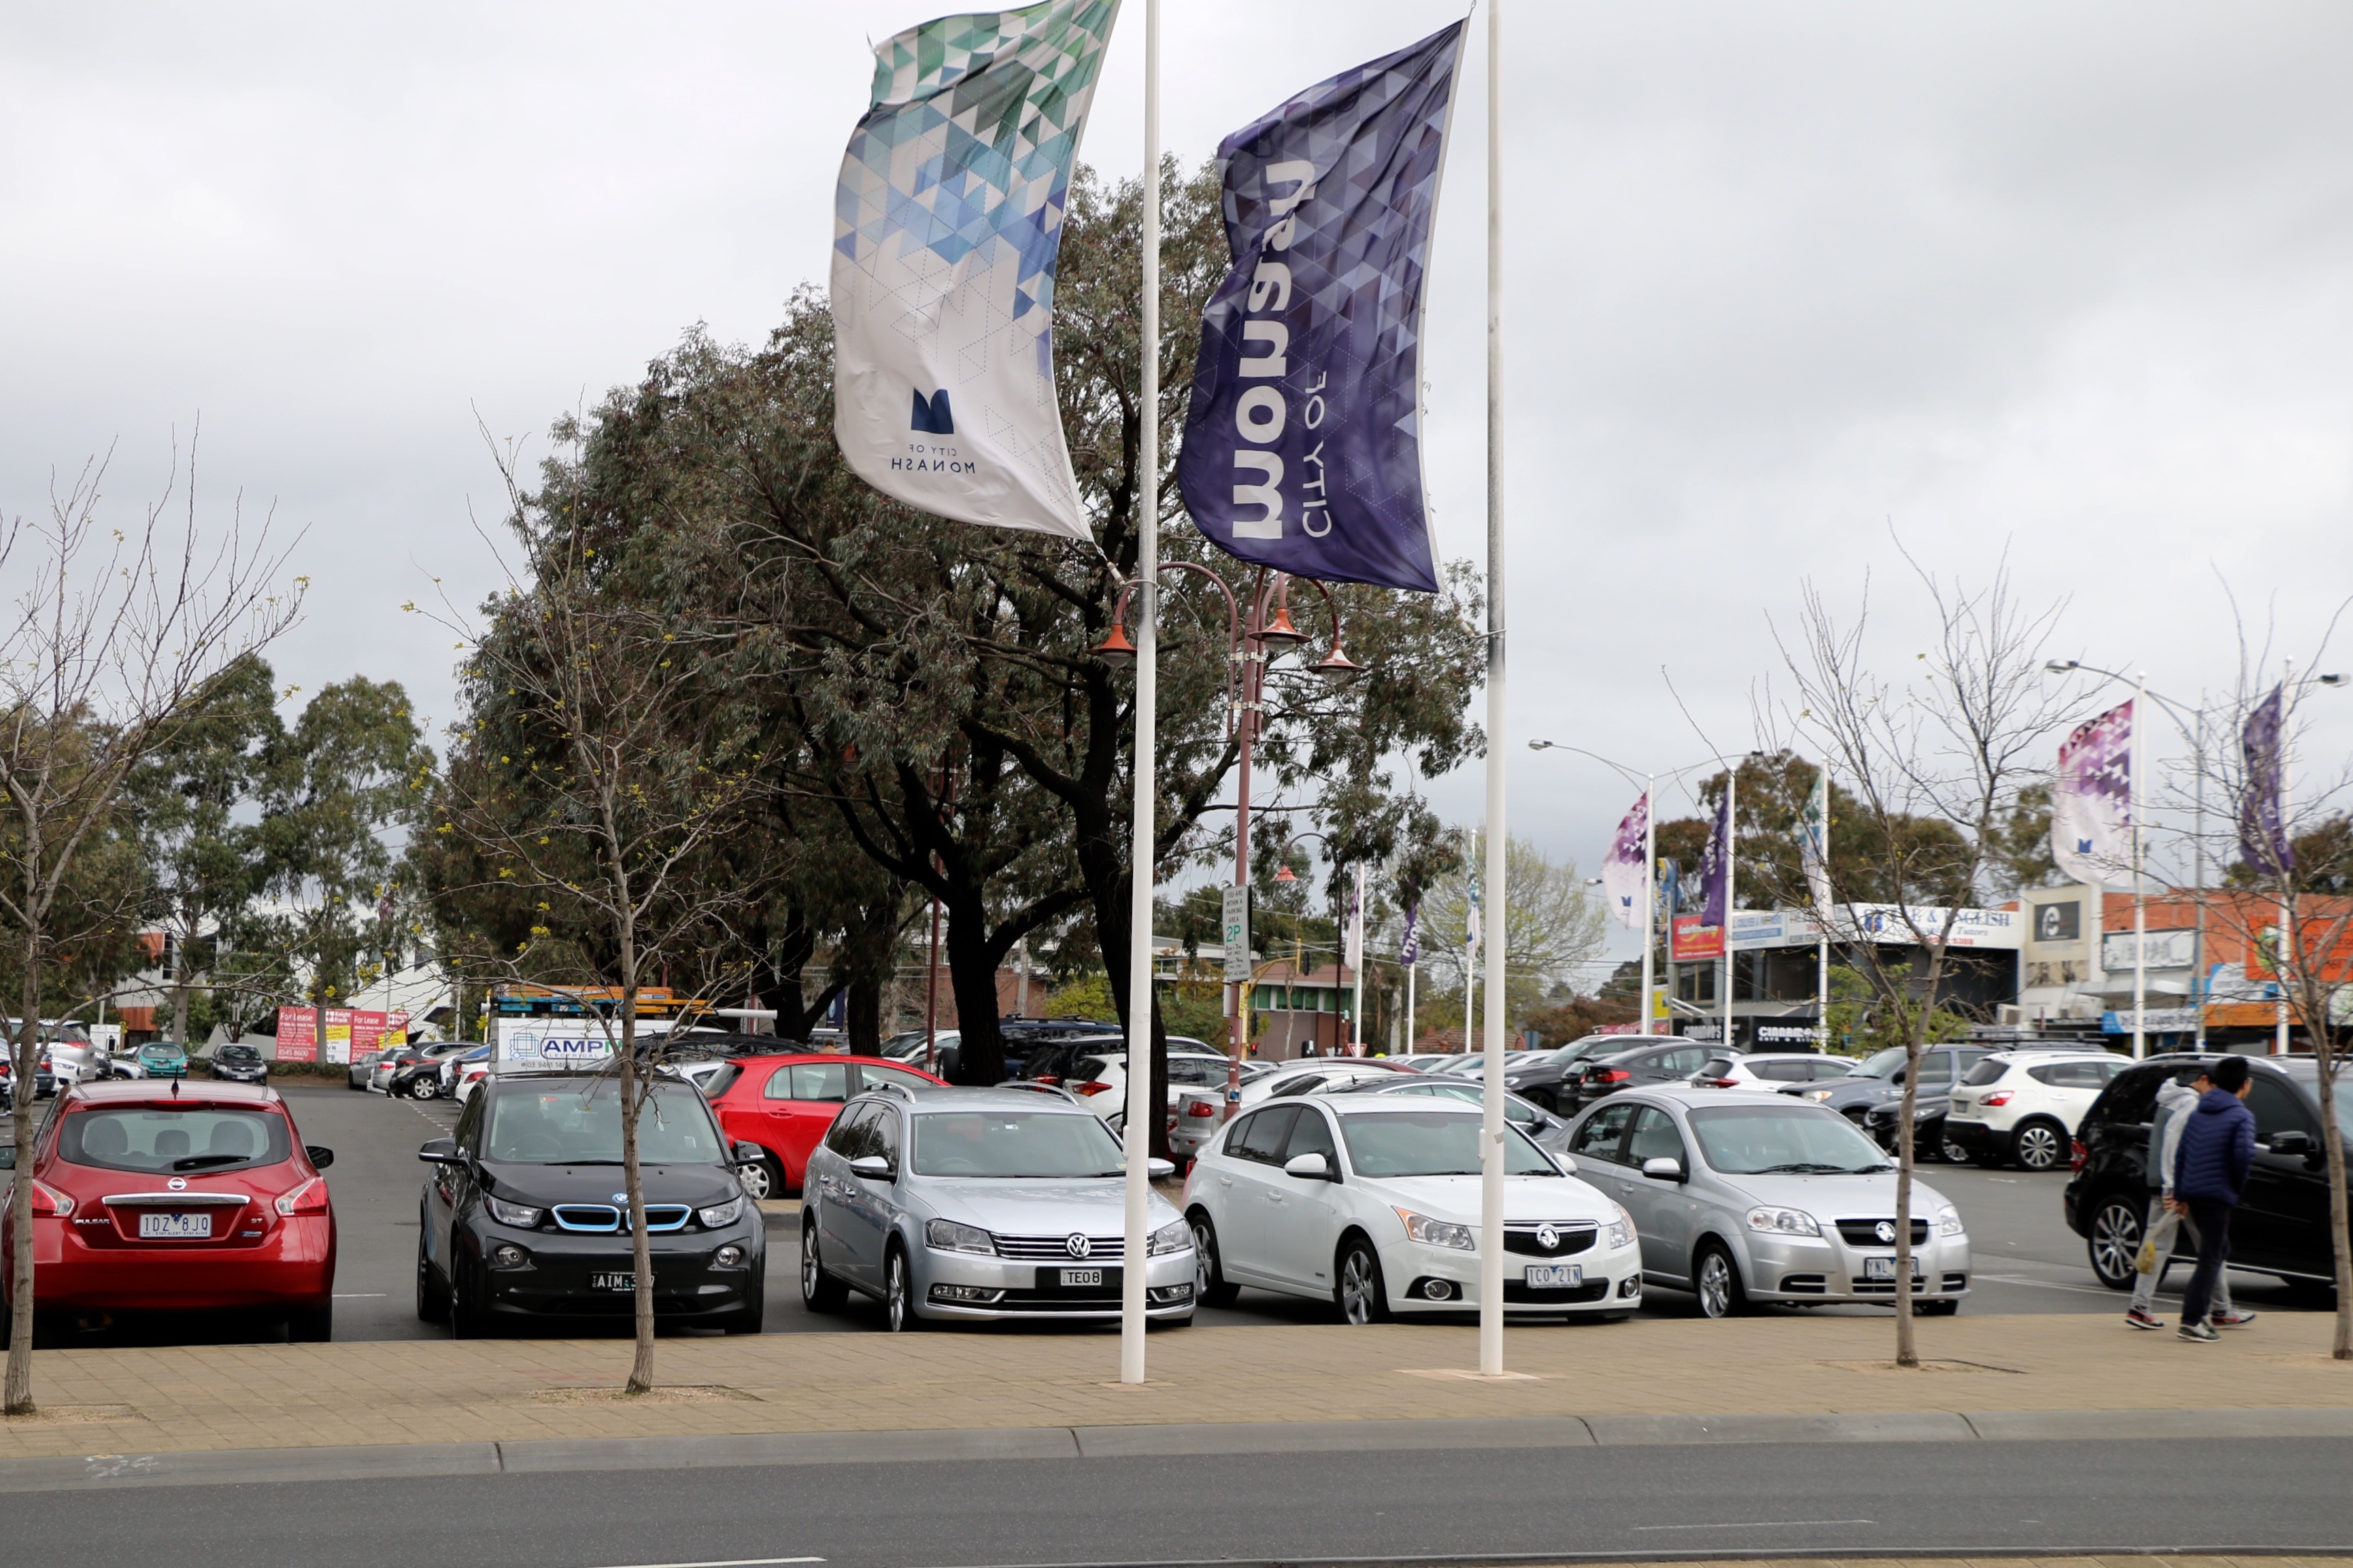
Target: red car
784,1103
177,1197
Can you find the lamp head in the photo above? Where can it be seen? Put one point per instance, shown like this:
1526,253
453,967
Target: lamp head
1282,873
1336,666
1115,649
2062,666
1279,632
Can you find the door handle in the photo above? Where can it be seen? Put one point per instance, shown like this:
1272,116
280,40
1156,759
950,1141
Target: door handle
1225,1181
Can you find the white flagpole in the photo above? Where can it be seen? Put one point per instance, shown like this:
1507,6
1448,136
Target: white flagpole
1822,922
1141,1112
1650,887
2279,949
1411,970
1356,950
2140,900
1491,1137
1731,875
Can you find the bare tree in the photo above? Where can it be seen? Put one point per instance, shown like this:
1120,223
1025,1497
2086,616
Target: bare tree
112,638
593,779
1953,742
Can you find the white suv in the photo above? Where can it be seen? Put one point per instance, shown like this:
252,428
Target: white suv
2025,1106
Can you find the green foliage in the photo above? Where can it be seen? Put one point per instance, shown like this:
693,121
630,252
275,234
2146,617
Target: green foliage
1865,1017
1553,925
1088,997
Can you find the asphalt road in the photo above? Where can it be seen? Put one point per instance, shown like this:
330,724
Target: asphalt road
1881,1499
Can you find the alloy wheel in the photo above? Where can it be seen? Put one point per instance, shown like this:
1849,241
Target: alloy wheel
1954,1153
1715,1284
2115,1244
1205,1268
811,1276
756,1182
2039,1148
1360,1286
897,1311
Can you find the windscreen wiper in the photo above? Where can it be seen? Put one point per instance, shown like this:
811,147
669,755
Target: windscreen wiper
206,1161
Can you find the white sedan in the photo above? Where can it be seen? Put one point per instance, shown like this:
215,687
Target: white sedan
1371,1202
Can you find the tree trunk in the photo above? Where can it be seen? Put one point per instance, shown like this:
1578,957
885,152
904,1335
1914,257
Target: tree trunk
971,978
864,1017
641,1368
19,1395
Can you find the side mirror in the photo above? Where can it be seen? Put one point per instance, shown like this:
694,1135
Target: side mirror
1160,1170
1663,1169
873,1167
320,1156
748,1154
2291,1143
1313,1167
7,1156
1568,1167
438,1152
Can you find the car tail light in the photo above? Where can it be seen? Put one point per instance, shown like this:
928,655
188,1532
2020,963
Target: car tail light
311,1197
2078,1157
1612,1074
1719,1083
1999,1098
1093,1085
1200,1108
1051,1080
48,1200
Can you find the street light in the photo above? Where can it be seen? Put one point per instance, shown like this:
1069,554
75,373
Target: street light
1252,642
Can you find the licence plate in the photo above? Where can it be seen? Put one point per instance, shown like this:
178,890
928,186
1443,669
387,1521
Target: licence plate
1885,1269
1071,1276
174,1226
1555,1276
612,1281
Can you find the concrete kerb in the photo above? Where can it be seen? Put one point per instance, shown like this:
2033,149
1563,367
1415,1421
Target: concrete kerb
393,1461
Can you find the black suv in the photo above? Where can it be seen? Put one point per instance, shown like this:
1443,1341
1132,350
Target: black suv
2282,1224
1670,1060
1549,1077
525,1216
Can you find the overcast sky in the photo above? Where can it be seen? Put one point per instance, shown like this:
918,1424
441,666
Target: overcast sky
2075,280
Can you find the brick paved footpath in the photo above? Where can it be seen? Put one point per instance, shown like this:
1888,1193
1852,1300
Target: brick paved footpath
394,1392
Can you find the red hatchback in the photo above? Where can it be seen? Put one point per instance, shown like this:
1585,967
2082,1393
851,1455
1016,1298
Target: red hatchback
784,1103
177,1197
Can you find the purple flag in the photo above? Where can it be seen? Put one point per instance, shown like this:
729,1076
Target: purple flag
1715,866
2263,828
1627,865
1411,949
1302,447
2091,805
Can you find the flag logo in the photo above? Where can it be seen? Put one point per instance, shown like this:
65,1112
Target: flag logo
932,418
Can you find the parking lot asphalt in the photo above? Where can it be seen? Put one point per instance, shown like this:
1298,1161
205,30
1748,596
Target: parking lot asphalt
2026,1260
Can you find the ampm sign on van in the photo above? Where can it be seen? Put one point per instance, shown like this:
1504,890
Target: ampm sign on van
549,1043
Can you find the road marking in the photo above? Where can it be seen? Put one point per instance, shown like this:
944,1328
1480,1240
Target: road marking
1750,1524
728,1562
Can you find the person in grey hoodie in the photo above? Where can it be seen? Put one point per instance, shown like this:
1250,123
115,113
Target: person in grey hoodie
2218,1150
2176,1096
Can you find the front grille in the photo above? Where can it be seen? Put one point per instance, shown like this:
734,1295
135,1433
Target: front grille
1865,1232
1041,1248
1804,1285
1573,1236
1517,1291
604,1218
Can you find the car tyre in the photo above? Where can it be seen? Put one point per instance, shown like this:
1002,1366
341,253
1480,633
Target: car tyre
1210,1286
466,1320
420,1089
1954,1153
899,1314
1362,1296
2115,1241
432,1302
310,1325
763,1179
2040,1144
752,1319
820,1292
1716,1278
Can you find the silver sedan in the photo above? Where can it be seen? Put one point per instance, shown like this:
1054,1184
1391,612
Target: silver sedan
1741,1197
981,1203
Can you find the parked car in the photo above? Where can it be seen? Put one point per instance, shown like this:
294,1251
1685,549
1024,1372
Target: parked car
74,1058
1671,1060
423,1072
2281,1227
1550,1077
1546,1130
238,1064
45,1081
362,1068
1098,1076
780,1106
1306,1075
162,1058
1879,1078
524,1219
1371,1202
1743,1197
201,1197
2024,1107
1770,1072
981,1203
1929,1141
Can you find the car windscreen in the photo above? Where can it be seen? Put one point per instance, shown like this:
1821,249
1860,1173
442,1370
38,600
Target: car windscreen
173,1139
1432,1143
564,1124
162,1053
1014,1144
1800,1140
237,1054
1881,1064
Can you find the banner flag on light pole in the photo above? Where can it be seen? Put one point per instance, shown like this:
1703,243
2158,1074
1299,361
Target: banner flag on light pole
2091,804
1303,446
1409,950
1355,950
1814,842
2263,828
1716,866
947,227
1628,864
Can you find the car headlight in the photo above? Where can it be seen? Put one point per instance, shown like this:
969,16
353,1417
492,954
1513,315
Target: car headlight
1817,1094
1621,1229
718,1215
520,1216
1783,1222
1437,1232
947,1235
1173,1238
1949,1221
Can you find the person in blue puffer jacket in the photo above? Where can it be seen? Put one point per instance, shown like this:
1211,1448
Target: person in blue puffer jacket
2218,1150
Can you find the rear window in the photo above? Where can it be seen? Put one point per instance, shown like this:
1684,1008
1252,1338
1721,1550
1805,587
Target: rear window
1720,1066
174,1142
1785,1072
1985,1072
1197,1072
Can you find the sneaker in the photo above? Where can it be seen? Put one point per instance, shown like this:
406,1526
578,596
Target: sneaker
2142,1318
2201,1332
2231,1320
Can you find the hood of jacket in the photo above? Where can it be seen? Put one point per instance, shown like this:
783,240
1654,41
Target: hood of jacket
2218,1102
2175,1098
